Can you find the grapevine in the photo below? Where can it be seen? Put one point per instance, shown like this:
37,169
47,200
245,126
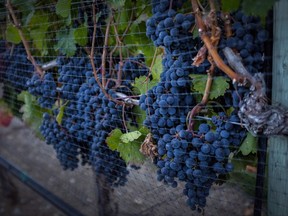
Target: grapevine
91,91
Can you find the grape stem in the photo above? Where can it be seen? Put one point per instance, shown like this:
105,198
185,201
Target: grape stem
227,24
215,37
23,39
118,45
123,118
211,49
196,109
104,53
91,56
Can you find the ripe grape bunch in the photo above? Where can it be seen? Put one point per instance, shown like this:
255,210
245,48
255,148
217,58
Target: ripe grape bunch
19,70
201,156
44,88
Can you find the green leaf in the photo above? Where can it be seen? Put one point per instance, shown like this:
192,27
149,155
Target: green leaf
157,67
32,112
27,9
139,114
63,8
129,149
130,136
130,152
257,7
219,86
29,17
39,24
144,85
59,117
116,4
228,5
12,34
249,145
39,40
80,35
113,139
66,41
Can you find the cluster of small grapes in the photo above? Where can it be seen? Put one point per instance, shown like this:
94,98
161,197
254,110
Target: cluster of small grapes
248,39
99,117
168,103
19,70
71,76
198,157
44,88
64,144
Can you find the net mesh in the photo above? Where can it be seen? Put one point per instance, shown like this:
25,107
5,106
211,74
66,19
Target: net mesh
139,116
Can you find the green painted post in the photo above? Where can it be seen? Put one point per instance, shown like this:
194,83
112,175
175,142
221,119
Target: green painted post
278,146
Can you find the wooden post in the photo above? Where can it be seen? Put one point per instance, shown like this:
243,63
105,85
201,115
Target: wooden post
278,146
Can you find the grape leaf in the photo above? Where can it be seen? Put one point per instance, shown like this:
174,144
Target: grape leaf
139,114
32,112
80,35
116,4
249,145
228,5
59,117
12,34
27,9
130,136
219,86
39,40
257,7
39,24
144,85
157,67
113,139
66,41
129,151
63,8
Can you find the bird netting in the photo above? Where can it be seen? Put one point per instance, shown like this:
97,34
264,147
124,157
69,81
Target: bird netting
161,99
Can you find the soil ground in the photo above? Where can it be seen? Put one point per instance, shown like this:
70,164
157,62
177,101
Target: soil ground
143,195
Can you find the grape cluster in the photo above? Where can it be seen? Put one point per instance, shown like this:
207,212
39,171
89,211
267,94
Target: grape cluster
89,116
44,88
199,157
248,39
71,76
19,70
62,141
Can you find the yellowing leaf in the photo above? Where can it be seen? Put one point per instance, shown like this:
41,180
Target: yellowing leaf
130,136
59,117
